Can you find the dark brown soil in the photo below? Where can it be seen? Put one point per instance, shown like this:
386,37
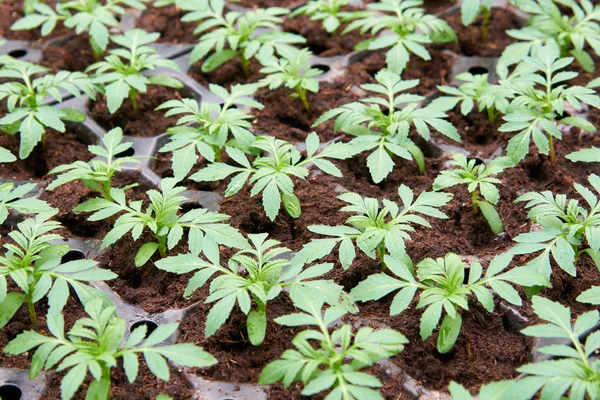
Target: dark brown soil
72,53
12,11
61,148
228,74
143,122
167,22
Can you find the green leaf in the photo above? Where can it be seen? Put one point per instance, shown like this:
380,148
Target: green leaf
492,217
145,253
11,304
449,331
257,327
217,59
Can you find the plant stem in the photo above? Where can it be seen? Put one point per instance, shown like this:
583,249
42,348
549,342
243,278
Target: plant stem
475,199
217,151
485,23
106,194
552,154
302,95
133,98
245,64
31,308
162,246
381,254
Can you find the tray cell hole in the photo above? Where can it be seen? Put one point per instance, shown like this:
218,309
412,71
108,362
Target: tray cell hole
477,70
324,68
127,153
18,53
150,326
10,392
72,255
189,206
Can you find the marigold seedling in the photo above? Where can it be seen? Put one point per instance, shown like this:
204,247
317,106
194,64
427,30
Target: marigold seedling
403,26
568,229
480,181
331,361
120,74
33,263
255,275
573,34
326,11
97,174
375,230
293,71
538,104
25,94
442,287
386,129
234,34
92,16
574,371
94,346
205,129
162,219
271,175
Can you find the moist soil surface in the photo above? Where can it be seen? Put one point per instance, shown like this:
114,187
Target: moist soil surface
489,347
167,22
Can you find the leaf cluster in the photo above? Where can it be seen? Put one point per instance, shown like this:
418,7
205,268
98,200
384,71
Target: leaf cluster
205,129
379,126
162,219
97,174
567,228
256,275
27,87
272,175
12,198
331,361
442,288
327,11
403,26
375,230
120,73
236,34
94,346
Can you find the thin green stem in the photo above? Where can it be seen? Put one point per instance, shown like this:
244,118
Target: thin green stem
302,94
106,194
475,199
245,64
31,308
552,153
133,98
162,246
485,23
381,254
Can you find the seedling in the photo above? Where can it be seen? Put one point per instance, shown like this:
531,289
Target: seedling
25,94
480,181
94,345
470,9
120,80
34,265
234,34
207,128
97,174
292,71
272,174
441,285
406,29
475,91
327,11
548,24
331,361
575,371
12,198
92,16
539,100
374,230
162,219
254,275
387,129
568,229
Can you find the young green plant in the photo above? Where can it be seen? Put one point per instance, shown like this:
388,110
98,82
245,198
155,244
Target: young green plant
28,115
120,73
272,174
442,287
97,174
480,181
162,219
12,198
574,32
403,26
205,129
293,71
92,16
237,35
33,263
379,126
256,275
375,230
331,361
538,102
567,229
94,346
470,10
326,11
